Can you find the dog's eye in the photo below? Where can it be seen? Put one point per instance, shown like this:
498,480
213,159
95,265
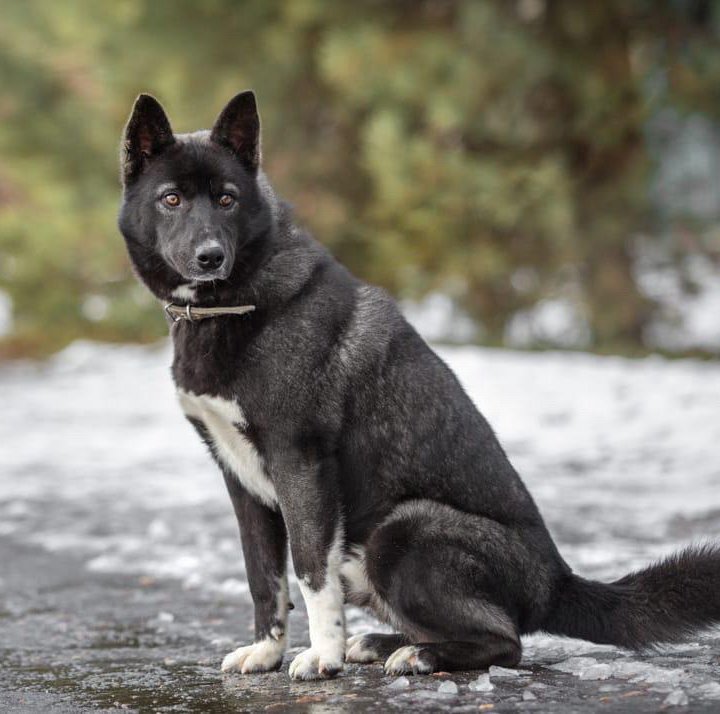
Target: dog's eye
226,200
171,200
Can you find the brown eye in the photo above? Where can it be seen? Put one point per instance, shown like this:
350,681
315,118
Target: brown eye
226,200
171,200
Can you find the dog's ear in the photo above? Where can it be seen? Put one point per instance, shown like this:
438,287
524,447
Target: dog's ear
147,134
238,129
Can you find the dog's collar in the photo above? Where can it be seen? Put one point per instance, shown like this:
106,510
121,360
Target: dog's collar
193,314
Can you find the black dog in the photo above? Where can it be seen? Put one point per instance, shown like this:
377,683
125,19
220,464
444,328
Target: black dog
338,430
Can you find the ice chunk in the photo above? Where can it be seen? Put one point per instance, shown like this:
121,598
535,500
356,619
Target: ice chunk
448,688
399,683
589,668
597,671
711,690
676,698
659,675
165,617
481,684
625,670
505,672
528,696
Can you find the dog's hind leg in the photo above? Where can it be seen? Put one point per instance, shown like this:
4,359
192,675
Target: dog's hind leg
427,657
375,647
453,582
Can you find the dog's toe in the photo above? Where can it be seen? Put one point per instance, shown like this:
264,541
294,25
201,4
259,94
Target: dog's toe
310,664
411,659
263,656
360,651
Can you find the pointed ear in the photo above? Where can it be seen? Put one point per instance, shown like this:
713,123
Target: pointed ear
147,134
238,129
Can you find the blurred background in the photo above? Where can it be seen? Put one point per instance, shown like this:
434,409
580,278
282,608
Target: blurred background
526,173
519,173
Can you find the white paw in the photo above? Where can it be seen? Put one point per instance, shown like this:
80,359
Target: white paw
311,664
358,652
262,656
407,660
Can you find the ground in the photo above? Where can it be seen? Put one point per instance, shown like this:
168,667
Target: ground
122,582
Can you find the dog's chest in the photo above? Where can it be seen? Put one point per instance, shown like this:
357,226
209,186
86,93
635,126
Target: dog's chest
225,424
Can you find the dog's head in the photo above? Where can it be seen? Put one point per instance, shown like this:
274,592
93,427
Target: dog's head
193,204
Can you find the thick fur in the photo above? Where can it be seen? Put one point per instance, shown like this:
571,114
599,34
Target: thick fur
341,433
666,602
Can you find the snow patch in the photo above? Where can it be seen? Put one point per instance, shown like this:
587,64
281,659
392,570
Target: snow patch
6,321
438,319
556,322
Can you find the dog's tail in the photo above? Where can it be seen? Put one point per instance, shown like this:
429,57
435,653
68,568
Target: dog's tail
667,602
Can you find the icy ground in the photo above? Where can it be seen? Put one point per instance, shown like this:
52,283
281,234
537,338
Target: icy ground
121,579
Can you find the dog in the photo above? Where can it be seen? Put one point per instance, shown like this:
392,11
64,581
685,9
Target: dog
342,436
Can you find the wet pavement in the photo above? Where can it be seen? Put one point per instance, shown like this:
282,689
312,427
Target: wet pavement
121,580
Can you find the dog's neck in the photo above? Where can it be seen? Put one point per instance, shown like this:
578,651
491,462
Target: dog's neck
176,313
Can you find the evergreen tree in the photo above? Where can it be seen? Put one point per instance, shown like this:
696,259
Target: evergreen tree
491,150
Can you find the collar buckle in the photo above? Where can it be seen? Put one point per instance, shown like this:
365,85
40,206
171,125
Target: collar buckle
168,311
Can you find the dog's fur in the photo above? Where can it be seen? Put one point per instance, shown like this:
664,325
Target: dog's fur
340,432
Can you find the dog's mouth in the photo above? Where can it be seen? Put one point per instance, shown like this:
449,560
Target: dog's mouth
198,278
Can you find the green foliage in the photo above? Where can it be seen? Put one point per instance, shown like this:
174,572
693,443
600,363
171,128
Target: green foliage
432,145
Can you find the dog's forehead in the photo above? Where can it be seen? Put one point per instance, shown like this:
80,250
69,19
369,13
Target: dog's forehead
198,163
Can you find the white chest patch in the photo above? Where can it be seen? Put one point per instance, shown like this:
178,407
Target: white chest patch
224,421
184,292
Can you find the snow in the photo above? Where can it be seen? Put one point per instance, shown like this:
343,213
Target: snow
686,293
555,321
621,455
686,319
439,319
6,320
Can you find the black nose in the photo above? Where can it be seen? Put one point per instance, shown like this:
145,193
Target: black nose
210,257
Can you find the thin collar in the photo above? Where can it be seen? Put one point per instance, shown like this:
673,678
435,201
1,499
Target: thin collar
193,314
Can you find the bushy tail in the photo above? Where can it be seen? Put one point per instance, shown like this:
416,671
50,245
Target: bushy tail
667,602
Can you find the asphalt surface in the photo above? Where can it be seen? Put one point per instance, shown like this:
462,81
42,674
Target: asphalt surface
74,641
121,577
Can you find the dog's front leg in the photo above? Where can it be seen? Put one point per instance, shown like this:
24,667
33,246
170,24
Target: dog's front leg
311,508
264,543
